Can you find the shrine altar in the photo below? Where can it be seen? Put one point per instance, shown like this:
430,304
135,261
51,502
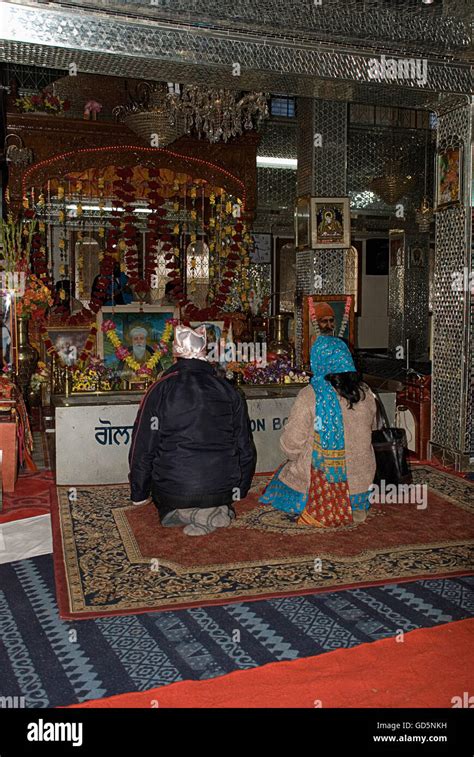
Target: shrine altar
93,432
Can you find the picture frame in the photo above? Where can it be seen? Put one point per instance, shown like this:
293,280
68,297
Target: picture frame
150,319
396,242
331,224
322,223
68,341
338,303
417,256
217,334
449,176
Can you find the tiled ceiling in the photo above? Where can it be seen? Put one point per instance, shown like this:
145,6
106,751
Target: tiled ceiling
299,47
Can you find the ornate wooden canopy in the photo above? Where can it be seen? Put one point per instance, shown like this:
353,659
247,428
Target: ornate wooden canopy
62,145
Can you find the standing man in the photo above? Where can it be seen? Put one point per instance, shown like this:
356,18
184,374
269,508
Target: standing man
192,447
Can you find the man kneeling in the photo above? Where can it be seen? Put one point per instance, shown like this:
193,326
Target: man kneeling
192,446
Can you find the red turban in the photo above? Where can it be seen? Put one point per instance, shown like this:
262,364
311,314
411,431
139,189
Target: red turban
323,310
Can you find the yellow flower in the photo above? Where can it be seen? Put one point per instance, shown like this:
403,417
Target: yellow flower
61,244
60,192
176,229
176,206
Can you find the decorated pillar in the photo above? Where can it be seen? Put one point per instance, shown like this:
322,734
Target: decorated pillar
408,298
452,433
322,148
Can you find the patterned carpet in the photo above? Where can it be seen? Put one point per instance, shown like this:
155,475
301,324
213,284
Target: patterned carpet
118,559
51,662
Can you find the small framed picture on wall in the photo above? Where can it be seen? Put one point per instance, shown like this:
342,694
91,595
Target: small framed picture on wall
448,176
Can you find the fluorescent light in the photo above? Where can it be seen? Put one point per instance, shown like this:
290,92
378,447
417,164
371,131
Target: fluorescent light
108,208
268,162
95,207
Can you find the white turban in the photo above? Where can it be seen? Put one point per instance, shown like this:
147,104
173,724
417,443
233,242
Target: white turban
190,343
138,330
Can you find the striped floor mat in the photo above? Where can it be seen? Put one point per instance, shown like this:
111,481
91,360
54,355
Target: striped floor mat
51,662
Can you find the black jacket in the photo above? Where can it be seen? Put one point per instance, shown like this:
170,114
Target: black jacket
191,442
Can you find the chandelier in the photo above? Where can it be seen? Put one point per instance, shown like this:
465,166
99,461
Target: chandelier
393,185
161,113
148,115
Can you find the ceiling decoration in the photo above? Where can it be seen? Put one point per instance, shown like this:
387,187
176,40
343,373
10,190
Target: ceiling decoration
161,113
394,184
202,47
443,27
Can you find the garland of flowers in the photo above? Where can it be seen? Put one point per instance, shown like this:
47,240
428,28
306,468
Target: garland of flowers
124,190
38,256
122,353
345,317
44,102
157,226
35,300
232,259
88,346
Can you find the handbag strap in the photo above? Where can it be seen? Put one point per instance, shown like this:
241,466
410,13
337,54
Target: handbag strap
381,412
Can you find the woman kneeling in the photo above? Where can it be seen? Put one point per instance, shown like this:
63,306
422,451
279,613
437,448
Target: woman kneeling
328,443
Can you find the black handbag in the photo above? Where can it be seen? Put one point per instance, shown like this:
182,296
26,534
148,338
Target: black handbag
391,449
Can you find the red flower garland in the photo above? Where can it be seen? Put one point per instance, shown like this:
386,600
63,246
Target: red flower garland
157,226
126,194
210,313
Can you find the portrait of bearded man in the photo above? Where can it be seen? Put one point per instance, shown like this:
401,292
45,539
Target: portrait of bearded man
138,348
